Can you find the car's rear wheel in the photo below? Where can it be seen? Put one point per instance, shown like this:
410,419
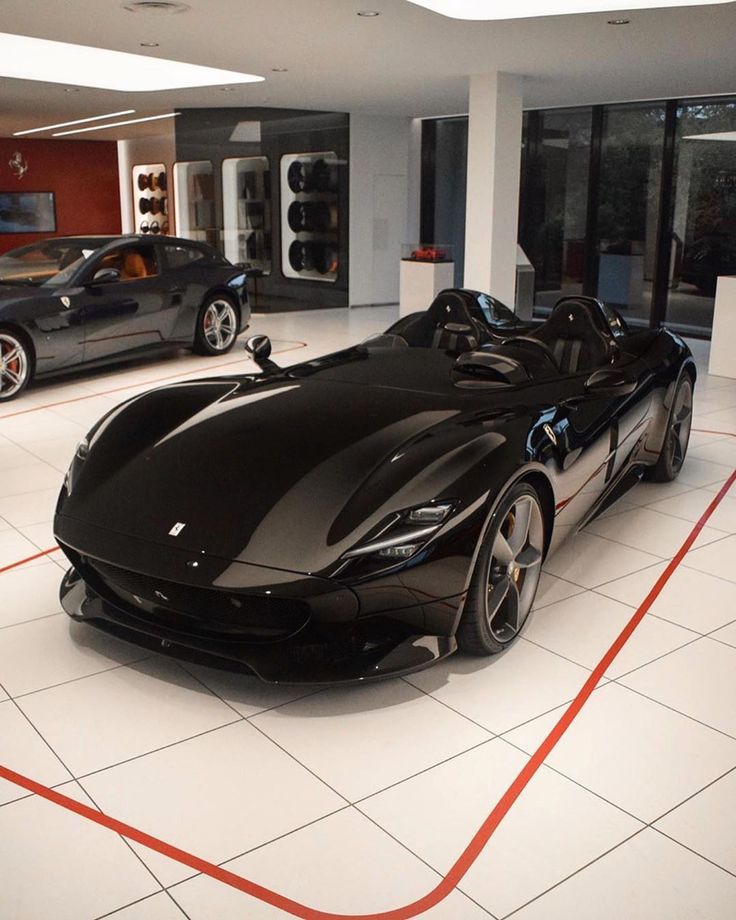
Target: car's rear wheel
506,575
16,364
217,326
679,423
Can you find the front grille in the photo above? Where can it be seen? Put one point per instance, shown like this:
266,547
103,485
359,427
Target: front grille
205,612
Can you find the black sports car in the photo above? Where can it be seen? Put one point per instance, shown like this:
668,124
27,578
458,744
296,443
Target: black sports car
81,300
370,511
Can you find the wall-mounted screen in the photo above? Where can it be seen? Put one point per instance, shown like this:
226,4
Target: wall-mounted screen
27,212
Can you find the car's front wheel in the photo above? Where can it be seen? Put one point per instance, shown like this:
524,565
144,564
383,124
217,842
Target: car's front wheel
217,327
16,364
506,575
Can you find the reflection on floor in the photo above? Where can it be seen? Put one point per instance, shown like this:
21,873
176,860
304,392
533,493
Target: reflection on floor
357,800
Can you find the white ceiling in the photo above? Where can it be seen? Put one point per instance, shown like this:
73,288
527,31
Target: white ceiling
407,61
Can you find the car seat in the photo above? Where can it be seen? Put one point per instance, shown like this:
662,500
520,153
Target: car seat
578,335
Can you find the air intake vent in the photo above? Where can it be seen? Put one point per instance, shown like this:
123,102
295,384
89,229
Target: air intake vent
156,6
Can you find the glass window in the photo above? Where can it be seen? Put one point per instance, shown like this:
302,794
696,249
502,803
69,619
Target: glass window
181,256
557,154
703,241
133,262
451,156
628,207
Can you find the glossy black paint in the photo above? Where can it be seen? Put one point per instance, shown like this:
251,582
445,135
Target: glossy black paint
279,475
89,323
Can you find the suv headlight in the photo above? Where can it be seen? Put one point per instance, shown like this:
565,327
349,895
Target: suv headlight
405,533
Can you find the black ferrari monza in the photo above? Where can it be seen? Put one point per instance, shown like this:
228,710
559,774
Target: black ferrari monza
368,512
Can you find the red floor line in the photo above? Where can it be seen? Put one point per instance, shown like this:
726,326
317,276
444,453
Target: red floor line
484,833
145,383
15,565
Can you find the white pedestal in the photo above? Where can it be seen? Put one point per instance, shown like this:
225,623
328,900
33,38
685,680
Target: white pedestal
421,282
723,341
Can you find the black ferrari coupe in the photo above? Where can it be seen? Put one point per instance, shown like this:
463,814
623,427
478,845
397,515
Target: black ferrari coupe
83,300
370,511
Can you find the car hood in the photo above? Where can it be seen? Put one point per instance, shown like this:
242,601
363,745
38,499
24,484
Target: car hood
11,294
288,473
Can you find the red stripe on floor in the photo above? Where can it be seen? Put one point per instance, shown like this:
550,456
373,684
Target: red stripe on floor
484,833
15,565
145,383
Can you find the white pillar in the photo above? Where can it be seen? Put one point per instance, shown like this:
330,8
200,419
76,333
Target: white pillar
494,174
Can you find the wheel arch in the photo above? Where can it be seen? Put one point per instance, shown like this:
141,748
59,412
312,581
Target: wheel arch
22,333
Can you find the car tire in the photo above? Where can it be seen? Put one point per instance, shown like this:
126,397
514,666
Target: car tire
506,575
676,440
16,363
218,323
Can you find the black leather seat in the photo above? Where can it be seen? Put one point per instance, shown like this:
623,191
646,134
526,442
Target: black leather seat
427,330
578,336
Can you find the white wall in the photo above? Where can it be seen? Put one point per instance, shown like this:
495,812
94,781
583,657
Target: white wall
379,182
158,149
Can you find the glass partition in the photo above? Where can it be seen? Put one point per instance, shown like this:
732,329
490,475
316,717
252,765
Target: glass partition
194,200
246,211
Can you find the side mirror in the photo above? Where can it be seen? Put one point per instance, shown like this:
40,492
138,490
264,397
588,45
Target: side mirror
106,276
609,383
259,348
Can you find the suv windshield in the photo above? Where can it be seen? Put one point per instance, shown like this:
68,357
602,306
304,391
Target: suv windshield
48,264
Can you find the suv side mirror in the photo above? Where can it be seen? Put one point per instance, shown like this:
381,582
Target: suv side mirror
106,276
609,383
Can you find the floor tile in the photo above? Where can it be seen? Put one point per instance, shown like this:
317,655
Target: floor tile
551,590
497,692
54,649
646,878
157,907
23,750
644,493
650,531
622,746
12,456
692,505
690,598
582,628
29,592
588,560
41,535
217,796
697,472
527,853
247,695
728,633
30,426
722,451
705,823
698,680
102,720
343,864
362,739
29,508
715,559
57,452
14,547
56,864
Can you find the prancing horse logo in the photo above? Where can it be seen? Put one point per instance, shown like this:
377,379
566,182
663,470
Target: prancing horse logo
176,529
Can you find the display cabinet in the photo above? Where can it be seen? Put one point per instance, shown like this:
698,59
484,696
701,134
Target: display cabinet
246,204
150,199
310,216
194,198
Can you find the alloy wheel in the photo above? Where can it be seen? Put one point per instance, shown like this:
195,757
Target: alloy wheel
680,424
514,570
220,324
14,366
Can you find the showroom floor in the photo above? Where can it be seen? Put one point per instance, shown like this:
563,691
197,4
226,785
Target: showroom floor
357,800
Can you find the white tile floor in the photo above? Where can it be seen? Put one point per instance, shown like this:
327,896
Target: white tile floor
359,800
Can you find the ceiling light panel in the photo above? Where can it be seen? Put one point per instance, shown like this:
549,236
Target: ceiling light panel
24,58
116,124
525,9
77,121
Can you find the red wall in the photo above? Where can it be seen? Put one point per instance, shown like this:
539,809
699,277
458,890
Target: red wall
83,176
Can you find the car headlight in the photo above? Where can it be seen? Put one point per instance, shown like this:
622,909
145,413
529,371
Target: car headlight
405,533
80,455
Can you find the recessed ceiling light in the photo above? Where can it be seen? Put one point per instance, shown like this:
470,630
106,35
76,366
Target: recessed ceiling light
24,58
369,13
618,22
78,121
149,44
116,124
279,69
522,9
162,7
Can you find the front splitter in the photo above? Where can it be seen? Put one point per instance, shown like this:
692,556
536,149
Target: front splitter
355,657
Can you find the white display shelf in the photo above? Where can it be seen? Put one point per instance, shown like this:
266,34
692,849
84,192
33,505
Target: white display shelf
421,282
723,339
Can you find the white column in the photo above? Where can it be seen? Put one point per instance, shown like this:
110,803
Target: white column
494,174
